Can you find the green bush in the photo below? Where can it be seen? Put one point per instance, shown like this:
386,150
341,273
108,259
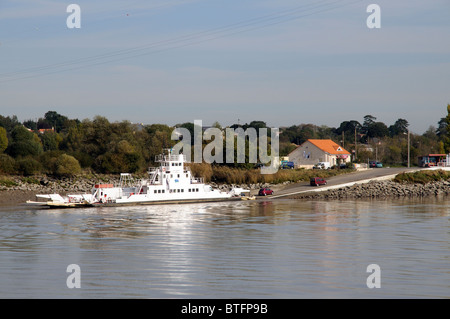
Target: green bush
28,166
67,165
8,164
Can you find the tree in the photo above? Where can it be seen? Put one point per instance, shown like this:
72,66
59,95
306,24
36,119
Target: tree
24,143
55,120
377,129
446,138
50,141
399,127
368,121
3,140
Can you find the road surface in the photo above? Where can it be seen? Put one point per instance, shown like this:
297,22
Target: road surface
373,173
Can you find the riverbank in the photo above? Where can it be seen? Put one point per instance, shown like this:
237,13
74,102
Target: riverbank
16,190
380,189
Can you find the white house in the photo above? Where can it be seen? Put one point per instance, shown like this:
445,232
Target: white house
314,151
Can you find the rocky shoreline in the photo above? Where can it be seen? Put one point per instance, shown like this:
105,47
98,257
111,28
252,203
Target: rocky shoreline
17,190
380,189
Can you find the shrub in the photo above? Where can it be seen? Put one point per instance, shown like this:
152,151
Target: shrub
29,166
8,164
67,165
422,177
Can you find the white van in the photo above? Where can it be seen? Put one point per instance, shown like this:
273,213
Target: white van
322,165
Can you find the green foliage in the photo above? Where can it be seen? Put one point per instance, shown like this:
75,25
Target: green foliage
50,141
7,182
28,166
101,146
24,143
7,164
66,165
3,140
422,177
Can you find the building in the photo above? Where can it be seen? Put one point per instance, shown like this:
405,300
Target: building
433,160
314,151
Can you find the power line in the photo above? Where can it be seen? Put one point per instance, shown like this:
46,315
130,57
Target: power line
181,41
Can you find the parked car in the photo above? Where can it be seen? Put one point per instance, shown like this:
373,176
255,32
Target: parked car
379,165
317,181
372,164
287,165
265,191
322,165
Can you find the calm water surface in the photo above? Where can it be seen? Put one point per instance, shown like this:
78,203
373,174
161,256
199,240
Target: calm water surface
248,249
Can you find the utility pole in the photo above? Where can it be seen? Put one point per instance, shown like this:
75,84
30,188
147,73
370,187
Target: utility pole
409,148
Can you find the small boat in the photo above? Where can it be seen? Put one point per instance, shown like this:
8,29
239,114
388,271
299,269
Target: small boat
171,182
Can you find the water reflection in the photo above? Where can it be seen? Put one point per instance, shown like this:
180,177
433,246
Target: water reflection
276,249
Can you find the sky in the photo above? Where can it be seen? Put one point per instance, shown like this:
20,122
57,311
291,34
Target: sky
285,62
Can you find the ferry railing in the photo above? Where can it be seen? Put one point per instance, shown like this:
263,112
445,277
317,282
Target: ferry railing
197,180
170,158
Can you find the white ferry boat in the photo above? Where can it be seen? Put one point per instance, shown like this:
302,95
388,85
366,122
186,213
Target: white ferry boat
171,182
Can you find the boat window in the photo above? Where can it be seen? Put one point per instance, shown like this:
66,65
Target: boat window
178,175
154,191
182,190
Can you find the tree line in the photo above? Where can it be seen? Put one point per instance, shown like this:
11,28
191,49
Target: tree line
55,144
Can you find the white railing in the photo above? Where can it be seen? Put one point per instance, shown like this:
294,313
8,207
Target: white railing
170,158
197,180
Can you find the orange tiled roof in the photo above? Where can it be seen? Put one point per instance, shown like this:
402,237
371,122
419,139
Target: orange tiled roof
329,146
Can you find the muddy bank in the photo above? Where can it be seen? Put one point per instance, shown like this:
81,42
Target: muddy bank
17,190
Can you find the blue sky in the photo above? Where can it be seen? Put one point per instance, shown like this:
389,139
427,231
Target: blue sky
285,62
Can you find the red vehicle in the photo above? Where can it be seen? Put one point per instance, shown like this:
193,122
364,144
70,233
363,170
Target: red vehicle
317,181
265,191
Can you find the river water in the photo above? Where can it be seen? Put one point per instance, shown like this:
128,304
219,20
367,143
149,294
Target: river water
247,249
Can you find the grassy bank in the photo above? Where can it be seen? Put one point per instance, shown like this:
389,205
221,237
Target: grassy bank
423,177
